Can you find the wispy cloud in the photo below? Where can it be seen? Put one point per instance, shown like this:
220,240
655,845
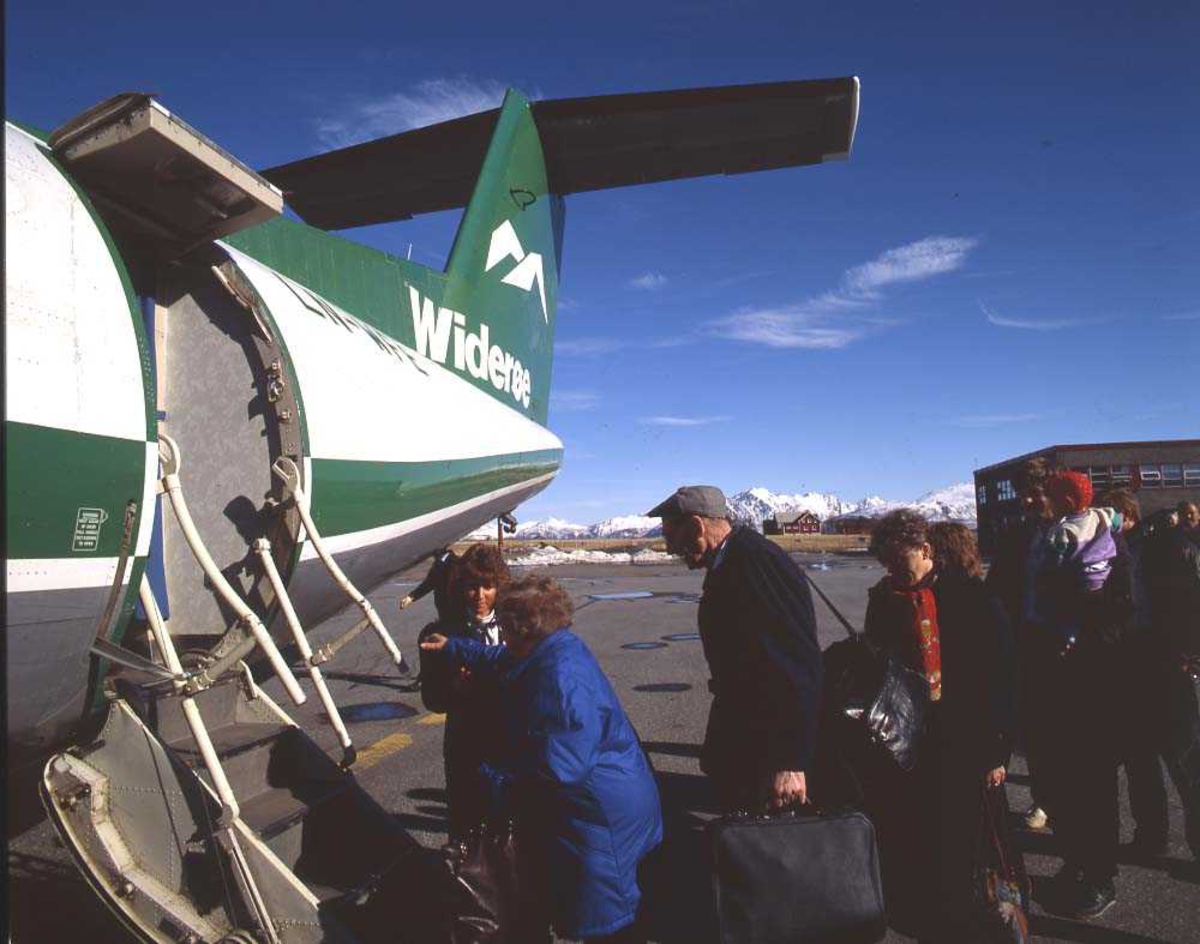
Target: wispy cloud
588,347
788,328
934,255
650,281
574,401
682,421
1185,316
845,314
597,346
1027,324
427,103
988,420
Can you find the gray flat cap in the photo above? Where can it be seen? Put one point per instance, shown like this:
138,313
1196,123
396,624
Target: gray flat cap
707,501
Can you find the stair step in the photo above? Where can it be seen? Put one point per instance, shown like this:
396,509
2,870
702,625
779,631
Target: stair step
275,810
229,740
278,816
252,755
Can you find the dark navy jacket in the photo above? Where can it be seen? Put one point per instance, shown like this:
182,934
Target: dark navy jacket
760,638
573,748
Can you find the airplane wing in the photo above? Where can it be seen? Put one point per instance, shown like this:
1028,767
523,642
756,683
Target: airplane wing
589,144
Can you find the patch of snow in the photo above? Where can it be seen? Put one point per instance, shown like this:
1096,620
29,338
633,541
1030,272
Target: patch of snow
552,557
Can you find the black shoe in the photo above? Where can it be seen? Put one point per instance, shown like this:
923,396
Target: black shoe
1092,901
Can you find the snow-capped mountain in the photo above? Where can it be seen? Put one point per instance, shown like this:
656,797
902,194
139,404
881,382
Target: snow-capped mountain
627,526
754,504
551,528
953,503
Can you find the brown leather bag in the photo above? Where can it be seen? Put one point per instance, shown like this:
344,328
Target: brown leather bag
1002,886
495,895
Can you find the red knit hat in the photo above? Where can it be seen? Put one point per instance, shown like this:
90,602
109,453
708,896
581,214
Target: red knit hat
1073,487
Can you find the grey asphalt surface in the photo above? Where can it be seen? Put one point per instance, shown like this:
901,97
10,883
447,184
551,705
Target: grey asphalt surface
663,689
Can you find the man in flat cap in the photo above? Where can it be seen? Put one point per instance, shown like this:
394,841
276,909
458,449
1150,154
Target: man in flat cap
760,639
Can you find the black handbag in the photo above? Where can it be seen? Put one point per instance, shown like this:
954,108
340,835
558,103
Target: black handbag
493,895
797,879
875,692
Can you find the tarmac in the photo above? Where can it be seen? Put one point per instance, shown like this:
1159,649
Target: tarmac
640,621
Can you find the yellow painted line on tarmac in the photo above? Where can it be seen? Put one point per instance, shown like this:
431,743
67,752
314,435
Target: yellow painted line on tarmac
393,743
384,747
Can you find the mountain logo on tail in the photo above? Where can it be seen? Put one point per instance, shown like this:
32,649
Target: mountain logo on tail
505,244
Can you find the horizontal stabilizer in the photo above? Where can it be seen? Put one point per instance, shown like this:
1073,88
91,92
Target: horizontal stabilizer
589,144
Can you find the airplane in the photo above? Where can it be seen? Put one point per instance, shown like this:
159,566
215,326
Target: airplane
225,426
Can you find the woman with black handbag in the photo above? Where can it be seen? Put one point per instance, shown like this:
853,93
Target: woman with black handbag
574,773
936,617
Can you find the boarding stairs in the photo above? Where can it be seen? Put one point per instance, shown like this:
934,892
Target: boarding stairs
202,812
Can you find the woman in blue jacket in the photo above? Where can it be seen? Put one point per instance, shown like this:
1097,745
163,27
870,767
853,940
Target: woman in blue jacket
574,766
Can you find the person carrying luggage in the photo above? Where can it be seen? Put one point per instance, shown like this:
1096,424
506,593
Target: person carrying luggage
573,773
759,634
940,621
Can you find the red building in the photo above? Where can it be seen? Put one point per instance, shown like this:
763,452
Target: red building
796,522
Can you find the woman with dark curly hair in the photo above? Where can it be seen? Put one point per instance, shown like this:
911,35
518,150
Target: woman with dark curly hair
471,705
574,773
933,613
955,550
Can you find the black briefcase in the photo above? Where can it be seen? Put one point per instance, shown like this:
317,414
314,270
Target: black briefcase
797,879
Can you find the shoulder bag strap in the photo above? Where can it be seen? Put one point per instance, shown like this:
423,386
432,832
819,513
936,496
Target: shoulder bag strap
854,633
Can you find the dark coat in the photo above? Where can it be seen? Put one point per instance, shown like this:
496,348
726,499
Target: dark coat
929,819
474,731
1170,569
440,581
1007,576
760,639
1103,618
978,705
575,764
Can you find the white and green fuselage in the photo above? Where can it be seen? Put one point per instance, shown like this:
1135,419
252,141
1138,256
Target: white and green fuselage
145,299
414,402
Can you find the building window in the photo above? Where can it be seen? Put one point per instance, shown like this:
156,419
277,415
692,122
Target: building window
1172,475
1122,476
1099,476
982,495
1191,475
1150,476
1004,490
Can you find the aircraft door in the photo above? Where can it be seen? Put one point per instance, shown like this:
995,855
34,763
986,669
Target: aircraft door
229,402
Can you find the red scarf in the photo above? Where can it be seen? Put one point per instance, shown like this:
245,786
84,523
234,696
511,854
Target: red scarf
924,628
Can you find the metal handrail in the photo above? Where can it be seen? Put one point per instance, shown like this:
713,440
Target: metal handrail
171,485
262,547
191,711
288,472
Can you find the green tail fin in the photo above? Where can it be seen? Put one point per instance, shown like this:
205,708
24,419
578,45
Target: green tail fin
504,267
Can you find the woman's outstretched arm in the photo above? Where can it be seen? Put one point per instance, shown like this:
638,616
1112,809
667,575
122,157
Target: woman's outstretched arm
469,652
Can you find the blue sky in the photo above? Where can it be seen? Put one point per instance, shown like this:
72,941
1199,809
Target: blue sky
1008,260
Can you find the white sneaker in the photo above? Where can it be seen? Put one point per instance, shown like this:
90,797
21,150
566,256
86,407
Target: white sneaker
1035,818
